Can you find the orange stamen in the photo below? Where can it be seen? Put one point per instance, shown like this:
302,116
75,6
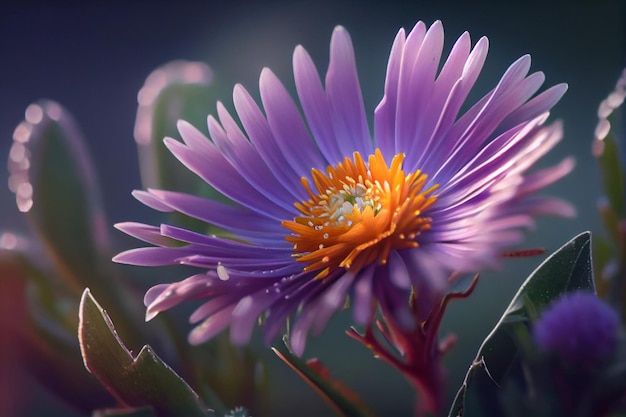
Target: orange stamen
357,214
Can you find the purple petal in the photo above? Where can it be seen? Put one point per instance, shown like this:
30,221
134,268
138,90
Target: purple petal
315,105
237,219
393,301
163,297
213,306
545,177
224,244
473,129
331,301
290,132
363,309
385,113
151,201
448,114
535,107
399,274
146,233
211,326
415,94
151,256
261,136
344,96
223,177
245,159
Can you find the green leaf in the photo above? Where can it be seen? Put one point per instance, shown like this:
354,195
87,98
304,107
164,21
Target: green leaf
54,181
125,412
612,173
234,374
568,269
343,400
135,381
36,332
55,184
177,90
603,258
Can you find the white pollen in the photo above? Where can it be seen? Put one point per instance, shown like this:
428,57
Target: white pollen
325,236
321,246
310,223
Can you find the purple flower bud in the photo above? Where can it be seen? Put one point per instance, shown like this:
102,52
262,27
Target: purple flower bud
579,327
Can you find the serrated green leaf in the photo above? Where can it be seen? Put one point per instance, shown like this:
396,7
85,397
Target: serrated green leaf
568,269
343,400
135,381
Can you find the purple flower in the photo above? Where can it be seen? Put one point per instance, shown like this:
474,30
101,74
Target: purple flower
579,327
322,208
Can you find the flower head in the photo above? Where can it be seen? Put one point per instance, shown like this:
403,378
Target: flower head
323,209
579,327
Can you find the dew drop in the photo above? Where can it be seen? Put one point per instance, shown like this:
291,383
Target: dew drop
22,132
222,273
8,241
34,114
602,129
17,152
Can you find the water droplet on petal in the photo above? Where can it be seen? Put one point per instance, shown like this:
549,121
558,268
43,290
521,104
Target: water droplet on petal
222,273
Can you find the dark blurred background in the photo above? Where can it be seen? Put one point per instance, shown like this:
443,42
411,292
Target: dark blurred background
93,57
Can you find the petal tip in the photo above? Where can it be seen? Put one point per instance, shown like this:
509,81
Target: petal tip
150,314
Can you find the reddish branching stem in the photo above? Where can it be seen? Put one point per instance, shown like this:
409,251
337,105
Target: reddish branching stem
416,353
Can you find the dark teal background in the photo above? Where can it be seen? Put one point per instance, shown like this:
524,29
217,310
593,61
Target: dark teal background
94,57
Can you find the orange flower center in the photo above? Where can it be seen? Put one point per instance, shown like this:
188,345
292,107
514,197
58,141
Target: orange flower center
358,213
